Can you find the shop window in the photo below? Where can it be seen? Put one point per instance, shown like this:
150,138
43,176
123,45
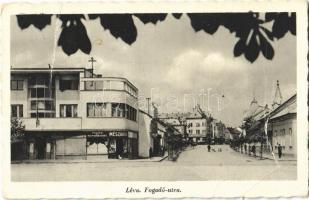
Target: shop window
96,110
17,110
68,110
17,84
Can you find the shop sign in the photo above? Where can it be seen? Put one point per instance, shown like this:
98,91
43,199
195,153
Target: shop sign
118,134
132,135
97,134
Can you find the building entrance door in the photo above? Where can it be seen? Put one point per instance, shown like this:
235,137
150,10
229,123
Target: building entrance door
119,146
41,148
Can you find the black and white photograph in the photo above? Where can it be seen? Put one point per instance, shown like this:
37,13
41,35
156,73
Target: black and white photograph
153,96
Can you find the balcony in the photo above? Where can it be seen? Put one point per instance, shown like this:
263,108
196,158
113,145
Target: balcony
52,124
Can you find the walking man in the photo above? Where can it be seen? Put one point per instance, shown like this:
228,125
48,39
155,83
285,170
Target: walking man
245,148
208,147
253,150
279,150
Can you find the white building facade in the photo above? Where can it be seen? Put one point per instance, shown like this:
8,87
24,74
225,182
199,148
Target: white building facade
71,112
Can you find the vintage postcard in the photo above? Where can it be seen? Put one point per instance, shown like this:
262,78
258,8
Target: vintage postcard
154,99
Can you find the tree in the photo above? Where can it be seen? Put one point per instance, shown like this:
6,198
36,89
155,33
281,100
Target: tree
249,28
17,130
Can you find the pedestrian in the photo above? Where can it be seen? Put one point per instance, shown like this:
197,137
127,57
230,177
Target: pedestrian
208,147
279,150
245,146
253,150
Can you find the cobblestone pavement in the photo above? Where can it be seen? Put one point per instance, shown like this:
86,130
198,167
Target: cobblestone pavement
193,164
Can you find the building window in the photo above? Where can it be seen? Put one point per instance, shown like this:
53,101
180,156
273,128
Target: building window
68,85
198,132
68,110
130,113
17,84
204,131
282,132
16,110
118,110
96,110
197,124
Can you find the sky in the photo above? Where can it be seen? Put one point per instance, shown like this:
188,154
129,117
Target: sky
171,63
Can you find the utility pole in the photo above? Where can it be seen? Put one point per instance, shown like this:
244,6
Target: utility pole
92,60
148,105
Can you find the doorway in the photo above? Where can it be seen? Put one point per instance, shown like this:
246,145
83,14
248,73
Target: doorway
41,148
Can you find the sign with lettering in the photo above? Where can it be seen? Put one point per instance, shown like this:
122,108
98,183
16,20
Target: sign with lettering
97,134
118,134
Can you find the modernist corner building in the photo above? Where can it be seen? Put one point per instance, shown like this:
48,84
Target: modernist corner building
74,113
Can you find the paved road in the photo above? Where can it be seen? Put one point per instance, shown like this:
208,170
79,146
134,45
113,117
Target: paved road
193,164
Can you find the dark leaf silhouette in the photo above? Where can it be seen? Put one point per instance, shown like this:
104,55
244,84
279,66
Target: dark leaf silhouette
205,21
252,50
74,35
267,32
38,21
177,15
266,48
270,16
151,18
239,48
292,24
241,23
247,27
119,26
283,23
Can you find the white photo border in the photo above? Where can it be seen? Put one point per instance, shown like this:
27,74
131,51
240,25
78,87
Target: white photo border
116,189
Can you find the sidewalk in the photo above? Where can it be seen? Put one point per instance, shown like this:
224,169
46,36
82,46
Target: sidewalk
92,160
269,156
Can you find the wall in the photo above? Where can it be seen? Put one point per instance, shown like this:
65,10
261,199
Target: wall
71,146
66,96
21,96
286,140
144,138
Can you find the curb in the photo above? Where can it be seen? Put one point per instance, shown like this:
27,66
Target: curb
86,161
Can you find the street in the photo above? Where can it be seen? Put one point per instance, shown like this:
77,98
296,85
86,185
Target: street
194,164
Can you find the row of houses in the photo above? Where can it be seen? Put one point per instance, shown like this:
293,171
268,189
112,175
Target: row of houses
76,114
273,126
198,126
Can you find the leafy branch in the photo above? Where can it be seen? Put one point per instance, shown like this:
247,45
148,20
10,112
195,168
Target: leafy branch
249,28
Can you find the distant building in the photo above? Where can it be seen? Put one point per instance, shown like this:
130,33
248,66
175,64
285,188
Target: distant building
197,127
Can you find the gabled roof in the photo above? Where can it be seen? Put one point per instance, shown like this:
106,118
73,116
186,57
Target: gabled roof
287,107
